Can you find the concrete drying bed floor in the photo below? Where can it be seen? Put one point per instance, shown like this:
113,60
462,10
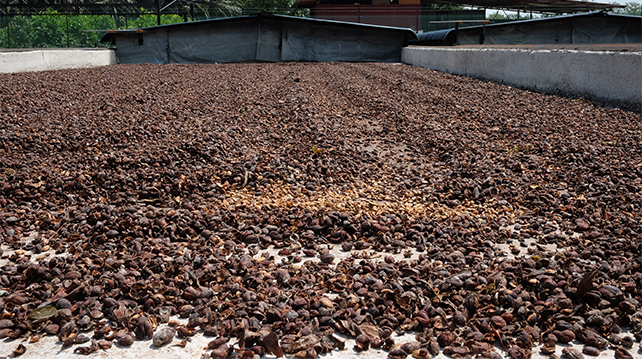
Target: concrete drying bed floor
48,347
384,141
51,347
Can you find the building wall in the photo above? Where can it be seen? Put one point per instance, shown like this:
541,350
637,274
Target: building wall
407,16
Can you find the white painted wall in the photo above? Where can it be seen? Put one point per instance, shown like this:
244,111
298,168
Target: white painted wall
612,78
54,59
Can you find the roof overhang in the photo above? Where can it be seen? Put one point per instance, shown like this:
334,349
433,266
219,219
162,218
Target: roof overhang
537,6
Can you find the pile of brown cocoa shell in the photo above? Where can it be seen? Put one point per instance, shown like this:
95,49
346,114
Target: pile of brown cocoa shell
133,194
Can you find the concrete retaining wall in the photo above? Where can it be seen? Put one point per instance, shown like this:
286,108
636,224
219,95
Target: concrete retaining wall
612,78
54,59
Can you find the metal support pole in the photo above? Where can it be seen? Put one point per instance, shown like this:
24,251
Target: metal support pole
456,32
359,14
67,21
191,11
531,12
417,28
8,28
158,14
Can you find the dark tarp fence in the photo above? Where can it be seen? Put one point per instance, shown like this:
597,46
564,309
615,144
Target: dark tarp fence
590,28
263,37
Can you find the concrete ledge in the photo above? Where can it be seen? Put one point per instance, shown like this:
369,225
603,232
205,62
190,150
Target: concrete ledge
611,78
54,59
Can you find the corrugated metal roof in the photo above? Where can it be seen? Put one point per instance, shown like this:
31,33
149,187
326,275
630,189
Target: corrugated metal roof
557,6
568,5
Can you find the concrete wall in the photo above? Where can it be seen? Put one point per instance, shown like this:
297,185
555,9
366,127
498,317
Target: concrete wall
612,78
54,59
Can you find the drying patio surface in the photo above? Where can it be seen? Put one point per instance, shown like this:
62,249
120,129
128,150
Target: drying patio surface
304,208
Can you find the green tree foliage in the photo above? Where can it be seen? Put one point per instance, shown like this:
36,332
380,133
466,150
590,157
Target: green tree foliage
148,19
57,30
214,9
632,8
504,16
37,31
222,8
273,6
435,6
51,30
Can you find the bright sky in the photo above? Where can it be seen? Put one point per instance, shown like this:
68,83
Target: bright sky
623,2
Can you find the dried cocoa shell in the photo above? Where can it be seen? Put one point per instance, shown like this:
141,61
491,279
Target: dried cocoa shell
163,336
